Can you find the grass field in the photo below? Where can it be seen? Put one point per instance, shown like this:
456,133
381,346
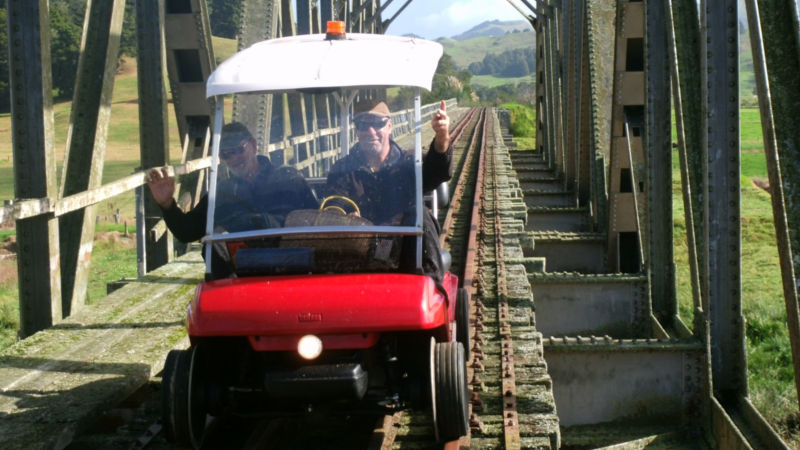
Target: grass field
494,81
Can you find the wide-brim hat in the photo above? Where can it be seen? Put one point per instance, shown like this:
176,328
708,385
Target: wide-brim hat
372,107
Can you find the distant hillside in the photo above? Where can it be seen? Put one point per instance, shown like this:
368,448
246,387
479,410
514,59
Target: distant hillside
494,28
473,50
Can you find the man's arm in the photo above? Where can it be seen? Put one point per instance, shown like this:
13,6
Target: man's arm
437,164
436,168
187,227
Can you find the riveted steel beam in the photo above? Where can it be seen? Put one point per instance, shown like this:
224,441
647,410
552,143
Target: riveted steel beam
573,40
540,75
34,162
600,16
722,217
190,61
550,95
361,15
683,29
153,119
556,55
296,107
86,143
657,233
259,22
776,61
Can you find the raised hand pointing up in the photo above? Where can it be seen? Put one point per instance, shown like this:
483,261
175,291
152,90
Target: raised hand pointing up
440,122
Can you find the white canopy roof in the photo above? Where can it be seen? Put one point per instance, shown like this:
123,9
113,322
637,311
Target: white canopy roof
312,62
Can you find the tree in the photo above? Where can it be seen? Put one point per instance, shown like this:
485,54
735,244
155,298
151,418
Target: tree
225,16
5,93
510,63
517,66
127,39
66,22
476,68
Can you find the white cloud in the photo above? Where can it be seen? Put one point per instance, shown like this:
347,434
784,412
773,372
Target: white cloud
472,12
438,18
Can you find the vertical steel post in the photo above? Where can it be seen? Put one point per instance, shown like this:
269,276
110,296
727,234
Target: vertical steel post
658,158
306,25
296,117
583,124
721,166
326,11
600,19
776,62
539,27
572,42
153,120
86,143
683,29
34,162
549,87
558,47
259,22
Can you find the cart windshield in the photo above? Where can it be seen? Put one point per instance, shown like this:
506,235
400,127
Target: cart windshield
317,167
287,203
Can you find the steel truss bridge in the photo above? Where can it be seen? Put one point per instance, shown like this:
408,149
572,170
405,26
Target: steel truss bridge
596,231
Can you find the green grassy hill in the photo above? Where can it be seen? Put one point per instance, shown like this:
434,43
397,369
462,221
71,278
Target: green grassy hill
473,50
494,28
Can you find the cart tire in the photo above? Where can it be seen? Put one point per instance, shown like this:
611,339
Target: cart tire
174,402
462,320
449,393
183,398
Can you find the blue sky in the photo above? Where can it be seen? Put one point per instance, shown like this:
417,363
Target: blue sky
432,19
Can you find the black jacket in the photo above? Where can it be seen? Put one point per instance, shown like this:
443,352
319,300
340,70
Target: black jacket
389,191
245,206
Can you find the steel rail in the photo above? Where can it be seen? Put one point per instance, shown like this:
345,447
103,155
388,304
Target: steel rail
459,189
509,383
471,279
390,423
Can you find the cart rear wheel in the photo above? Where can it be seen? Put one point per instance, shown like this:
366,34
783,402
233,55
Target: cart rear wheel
462,320
183,397
449,391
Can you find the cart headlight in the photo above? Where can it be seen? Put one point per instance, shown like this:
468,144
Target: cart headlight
309,346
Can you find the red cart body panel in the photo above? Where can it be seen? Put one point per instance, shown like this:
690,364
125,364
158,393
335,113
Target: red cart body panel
275,311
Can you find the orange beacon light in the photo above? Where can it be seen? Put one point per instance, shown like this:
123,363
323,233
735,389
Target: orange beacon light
335,30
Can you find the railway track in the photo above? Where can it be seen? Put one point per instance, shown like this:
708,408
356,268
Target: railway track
511,394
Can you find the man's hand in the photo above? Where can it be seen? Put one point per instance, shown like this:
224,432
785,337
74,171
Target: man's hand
162,186
441,126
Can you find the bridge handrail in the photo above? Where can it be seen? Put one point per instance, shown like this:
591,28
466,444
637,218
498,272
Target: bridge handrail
26,208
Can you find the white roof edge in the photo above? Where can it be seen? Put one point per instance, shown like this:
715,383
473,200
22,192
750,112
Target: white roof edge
314,63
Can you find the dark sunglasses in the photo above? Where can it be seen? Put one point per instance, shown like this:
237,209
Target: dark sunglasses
375,124
228,152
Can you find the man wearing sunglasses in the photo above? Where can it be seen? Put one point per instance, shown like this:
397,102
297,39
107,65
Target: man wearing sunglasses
378,175
256,195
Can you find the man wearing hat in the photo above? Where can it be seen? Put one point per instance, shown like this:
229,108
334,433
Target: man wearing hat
256,195
378,175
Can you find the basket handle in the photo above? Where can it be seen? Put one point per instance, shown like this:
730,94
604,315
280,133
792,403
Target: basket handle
347,200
